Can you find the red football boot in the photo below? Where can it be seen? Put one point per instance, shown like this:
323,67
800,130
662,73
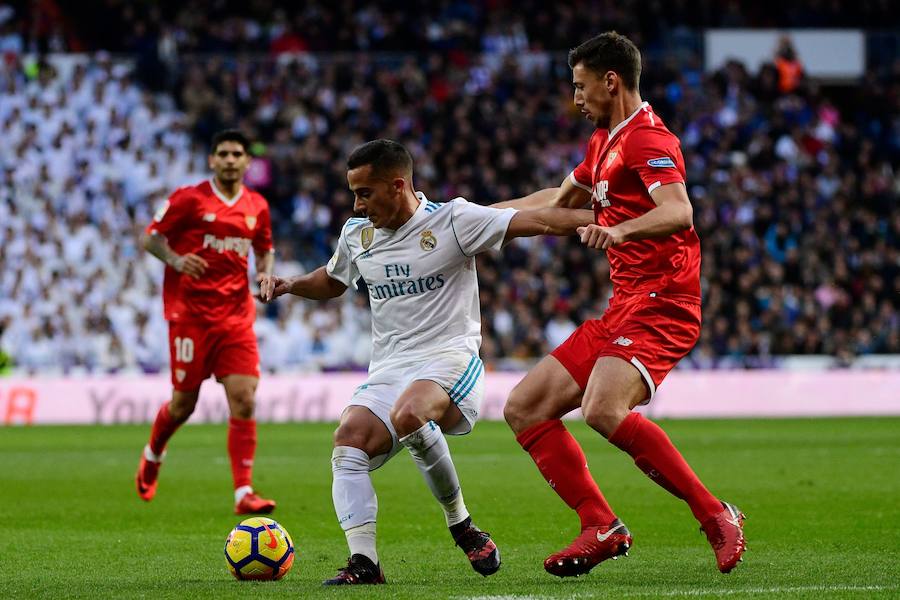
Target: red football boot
148,473
593,546
726,536
253,504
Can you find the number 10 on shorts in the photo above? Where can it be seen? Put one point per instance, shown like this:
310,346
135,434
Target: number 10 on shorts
184,349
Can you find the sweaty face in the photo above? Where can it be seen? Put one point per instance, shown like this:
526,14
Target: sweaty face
378,198
592,95
229,162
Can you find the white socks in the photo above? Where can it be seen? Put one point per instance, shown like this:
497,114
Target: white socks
242,491
432,455
362,541
354,499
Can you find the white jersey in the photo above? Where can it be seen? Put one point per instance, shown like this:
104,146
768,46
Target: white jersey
422,284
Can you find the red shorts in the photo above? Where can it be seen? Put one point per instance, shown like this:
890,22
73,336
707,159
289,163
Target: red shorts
199,350
651,332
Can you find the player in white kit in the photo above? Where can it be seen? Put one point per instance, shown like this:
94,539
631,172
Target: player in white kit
417,259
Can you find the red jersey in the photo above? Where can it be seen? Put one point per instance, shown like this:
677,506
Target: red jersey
620,169
201,220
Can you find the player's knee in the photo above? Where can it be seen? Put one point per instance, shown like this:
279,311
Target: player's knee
517,411
349,434
604,415
406,419
181,407
242,403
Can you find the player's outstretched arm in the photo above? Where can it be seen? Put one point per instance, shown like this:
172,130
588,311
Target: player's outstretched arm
189,264
567,195
673,213
317,285
547,221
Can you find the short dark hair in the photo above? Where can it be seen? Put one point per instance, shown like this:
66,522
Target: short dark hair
384,155
229,135
610,51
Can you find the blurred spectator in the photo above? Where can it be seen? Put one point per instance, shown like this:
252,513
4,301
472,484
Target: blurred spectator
790,70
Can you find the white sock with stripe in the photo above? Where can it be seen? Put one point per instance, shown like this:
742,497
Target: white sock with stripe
355,503
431,454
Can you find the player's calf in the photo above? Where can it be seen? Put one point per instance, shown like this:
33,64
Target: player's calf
589,549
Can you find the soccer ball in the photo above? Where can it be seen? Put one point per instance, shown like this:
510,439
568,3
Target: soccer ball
259,548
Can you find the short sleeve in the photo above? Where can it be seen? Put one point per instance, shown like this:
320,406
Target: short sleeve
479,228
170,219
341,267
655,154
262,241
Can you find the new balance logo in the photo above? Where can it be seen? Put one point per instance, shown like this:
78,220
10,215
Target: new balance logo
209,217
623,341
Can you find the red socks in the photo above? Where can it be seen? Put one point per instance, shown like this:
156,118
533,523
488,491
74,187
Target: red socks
561,461
655,455
163,428
241,449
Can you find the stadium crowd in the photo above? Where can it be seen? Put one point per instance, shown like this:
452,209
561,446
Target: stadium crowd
795,198
186,26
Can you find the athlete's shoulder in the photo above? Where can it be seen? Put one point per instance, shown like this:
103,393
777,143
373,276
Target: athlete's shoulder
431,206
255,197
354,225
649,134
193,192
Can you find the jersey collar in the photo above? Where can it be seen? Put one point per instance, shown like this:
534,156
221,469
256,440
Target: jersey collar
622,125
420,210
225,199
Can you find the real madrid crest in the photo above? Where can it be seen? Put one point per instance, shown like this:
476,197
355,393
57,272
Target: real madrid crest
250,220
366,236
428,241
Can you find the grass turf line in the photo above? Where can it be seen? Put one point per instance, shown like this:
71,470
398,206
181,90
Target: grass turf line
821,495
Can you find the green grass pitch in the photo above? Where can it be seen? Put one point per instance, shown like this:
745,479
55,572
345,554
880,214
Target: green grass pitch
822,497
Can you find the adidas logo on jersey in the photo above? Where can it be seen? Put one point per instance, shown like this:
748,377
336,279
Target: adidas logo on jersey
623,341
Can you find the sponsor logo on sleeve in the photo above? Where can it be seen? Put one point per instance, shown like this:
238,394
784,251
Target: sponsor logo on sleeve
366,236
662,162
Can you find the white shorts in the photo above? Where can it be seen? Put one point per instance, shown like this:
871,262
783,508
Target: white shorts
460,374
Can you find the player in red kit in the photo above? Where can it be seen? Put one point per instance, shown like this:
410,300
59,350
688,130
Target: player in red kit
204,234
633,174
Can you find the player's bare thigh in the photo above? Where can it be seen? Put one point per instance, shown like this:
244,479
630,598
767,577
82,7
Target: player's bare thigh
360,428
547,392
422,401
613,389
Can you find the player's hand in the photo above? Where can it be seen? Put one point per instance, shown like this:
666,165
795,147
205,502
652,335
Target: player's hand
271,286
190,264
599,237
